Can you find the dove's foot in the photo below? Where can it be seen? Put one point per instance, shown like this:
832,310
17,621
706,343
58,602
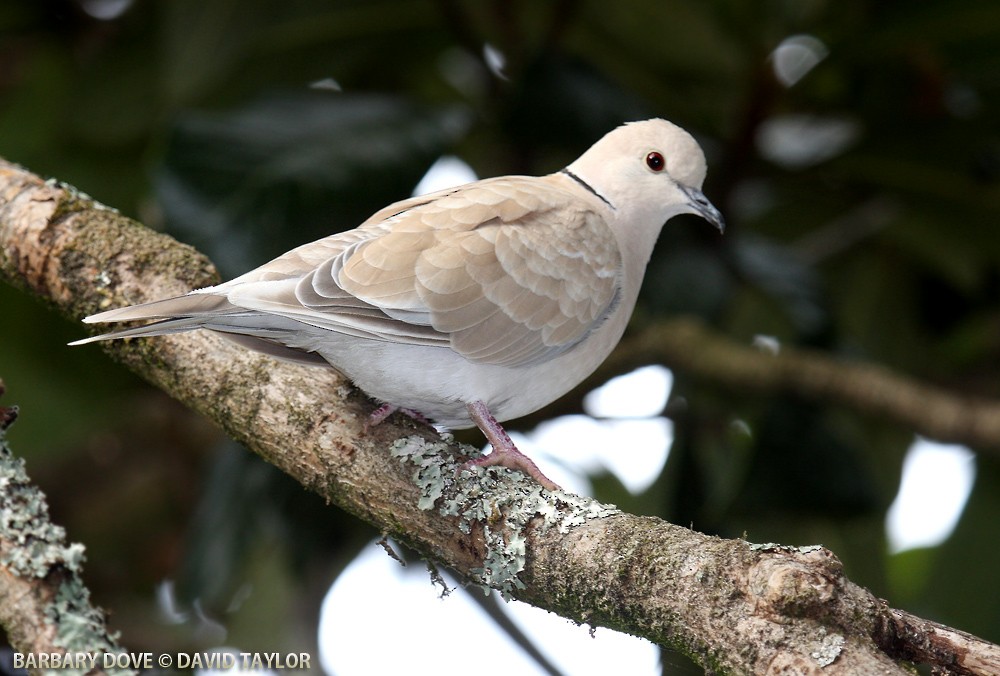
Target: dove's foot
505,453
511,458
385,410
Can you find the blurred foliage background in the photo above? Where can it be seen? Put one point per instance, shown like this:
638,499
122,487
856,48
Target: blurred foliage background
853,147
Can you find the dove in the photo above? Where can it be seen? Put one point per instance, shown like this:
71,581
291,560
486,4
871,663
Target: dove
469,306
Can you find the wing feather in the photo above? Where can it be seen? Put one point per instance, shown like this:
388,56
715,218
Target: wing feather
507,278
506,271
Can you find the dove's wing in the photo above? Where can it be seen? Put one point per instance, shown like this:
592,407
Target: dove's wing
300,260
505,271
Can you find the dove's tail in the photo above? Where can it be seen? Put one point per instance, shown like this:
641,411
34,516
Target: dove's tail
212,312
182,313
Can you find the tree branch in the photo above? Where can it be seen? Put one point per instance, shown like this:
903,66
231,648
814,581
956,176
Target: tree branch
689,346
733,606
44,606
928,642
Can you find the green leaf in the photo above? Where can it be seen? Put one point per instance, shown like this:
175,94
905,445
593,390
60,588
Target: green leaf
248,184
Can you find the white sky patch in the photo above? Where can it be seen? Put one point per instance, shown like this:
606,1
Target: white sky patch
630,439
769,344
796,141
640,394
447,172
106,10
935,485
796,56
446,635
571,647
166,603
575,446
328,84
495,60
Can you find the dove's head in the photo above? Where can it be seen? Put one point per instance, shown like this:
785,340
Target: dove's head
648,172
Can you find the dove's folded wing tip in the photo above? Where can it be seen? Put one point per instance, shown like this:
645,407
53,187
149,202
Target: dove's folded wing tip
93,339
96,318
105,316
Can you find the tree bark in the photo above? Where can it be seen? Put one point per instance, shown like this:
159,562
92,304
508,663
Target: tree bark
44,606
734,607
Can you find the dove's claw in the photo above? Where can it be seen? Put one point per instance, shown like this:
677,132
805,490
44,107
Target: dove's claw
512,459
505,453
379,415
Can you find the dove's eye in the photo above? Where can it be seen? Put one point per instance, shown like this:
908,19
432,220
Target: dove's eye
655,161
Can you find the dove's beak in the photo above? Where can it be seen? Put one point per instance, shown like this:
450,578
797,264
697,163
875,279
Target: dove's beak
700,205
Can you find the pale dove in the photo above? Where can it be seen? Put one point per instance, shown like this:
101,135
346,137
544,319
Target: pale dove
471,305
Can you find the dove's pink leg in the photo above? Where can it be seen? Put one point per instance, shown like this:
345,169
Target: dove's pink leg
504,452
